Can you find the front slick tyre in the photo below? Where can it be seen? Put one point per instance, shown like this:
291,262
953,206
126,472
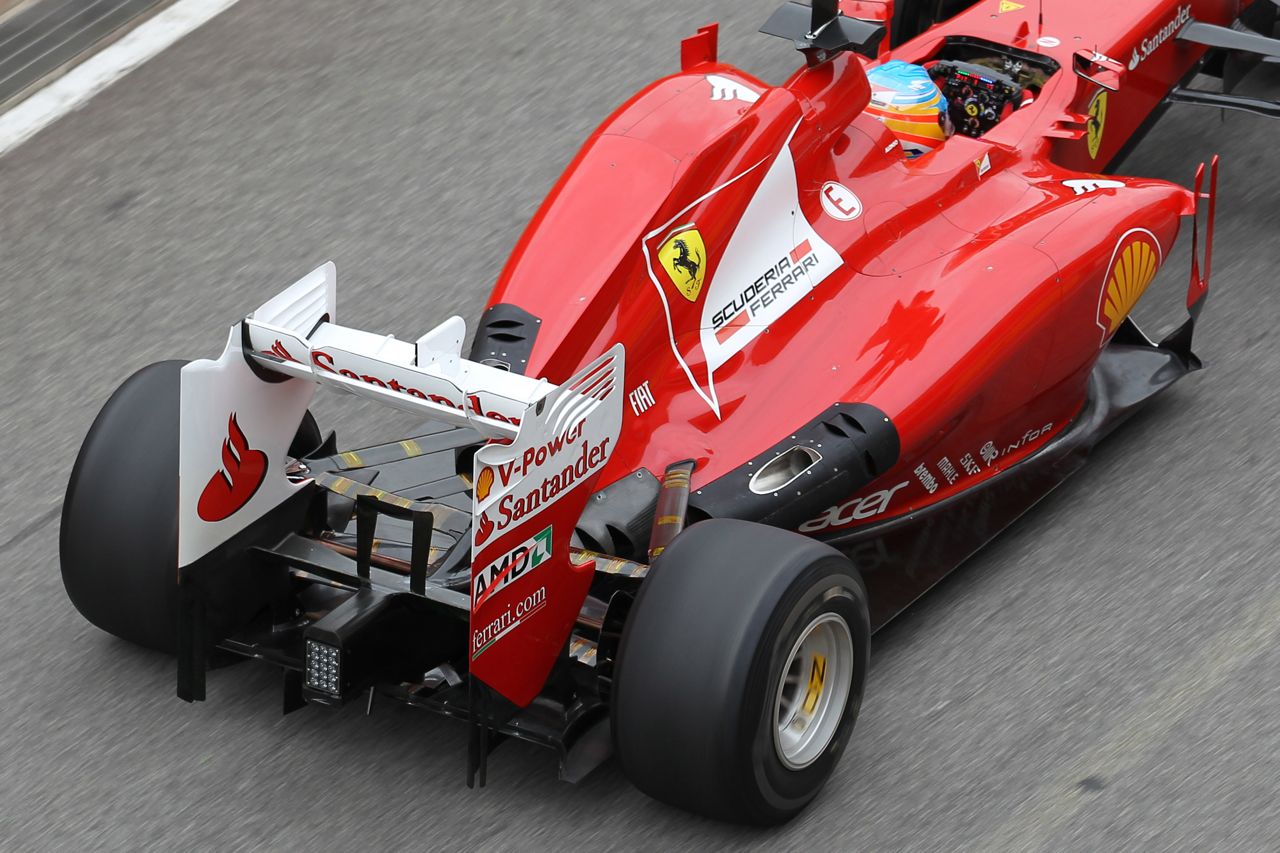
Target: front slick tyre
740,672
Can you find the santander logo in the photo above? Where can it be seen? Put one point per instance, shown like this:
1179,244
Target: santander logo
243,471
277,350
484,529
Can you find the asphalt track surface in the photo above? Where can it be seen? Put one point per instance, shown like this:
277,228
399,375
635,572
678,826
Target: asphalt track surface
1104,677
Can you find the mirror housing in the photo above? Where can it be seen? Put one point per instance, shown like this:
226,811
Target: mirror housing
1099,70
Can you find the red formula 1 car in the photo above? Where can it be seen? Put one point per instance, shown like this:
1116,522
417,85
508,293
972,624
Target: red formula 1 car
793,380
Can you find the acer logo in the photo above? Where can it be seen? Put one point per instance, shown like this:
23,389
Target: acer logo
858,509
243,471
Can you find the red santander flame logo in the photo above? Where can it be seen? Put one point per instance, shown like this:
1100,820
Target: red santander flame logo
278,351
485,528
243,471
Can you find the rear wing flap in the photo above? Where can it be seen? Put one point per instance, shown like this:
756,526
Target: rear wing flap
294,334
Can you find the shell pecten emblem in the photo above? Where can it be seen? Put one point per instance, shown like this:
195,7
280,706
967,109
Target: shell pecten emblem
684,257
1134,266
484,484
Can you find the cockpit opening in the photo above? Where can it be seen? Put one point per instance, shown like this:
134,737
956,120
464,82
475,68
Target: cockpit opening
985,83
968,87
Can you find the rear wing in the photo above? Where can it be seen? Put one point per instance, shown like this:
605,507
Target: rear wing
547,447
294,334
240,413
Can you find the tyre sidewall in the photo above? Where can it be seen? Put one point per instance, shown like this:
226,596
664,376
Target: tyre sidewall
700,660
826,587
118,540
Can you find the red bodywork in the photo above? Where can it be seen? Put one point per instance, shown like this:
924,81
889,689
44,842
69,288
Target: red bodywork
969,301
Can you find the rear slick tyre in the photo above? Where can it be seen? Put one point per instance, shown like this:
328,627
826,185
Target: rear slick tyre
740,672
118,545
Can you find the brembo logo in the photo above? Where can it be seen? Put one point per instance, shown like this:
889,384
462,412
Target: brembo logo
325,361
1143,52
243,471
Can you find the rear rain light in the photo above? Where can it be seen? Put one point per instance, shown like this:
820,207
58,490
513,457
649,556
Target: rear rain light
324,669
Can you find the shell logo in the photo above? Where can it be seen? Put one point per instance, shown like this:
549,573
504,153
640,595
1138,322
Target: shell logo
484,484
1134,265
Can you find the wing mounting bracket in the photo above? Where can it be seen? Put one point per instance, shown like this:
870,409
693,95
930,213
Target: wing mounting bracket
820,31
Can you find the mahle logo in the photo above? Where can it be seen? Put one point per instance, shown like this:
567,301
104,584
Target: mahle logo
684,257
510,567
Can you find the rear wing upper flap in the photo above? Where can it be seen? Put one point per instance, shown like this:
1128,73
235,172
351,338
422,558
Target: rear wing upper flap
294,334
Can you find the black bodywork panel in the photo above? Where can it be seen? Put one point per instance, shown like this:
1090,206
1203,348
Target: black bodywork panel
855,443
505,337
618,518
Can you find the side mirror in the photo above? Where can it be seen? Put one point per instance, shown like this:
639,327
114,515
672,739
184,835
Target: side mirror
1099,70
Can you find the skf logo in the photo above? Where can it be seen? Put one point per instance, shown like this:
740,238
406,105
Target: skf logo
684,257
484,484
1133,267
243,471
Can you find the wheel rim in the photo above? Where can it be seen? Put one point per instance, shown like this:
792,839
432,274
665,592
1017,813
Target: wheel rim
813,691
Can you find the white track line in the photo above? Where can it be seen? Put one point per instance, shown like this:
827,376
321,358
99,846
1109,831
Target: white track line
75,88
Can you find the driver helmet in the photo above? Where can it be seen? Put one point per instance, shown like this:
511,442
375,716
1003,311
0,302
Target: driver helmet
908,102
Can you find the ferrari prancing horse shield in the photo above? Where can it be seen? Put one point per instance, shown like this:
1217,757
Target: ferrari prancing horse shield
684,257
1097,123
